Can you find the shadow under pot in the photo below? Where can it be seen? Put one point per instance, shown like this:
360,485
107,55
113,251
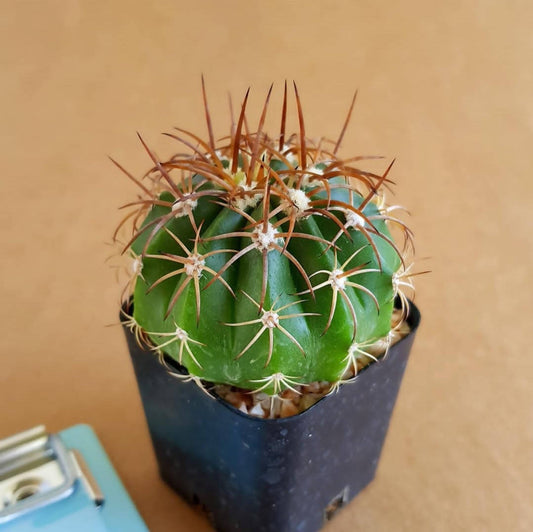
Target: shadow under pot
269,475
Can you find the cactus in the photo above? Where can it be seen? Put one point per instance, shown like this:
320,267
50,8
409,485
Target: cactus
264,262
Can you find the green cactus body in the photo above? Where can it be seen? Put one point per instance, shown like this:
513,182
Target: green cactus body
264,277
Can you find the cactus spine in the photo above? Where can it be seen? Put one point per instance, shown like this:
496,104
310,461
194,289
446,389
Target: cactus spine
263,262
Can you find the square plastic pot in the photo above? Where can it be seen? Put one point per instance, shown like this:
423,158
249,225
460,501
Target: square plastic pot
270,475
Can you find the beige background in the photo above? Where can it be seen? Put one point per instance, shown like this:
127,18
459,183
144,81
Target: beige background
446,87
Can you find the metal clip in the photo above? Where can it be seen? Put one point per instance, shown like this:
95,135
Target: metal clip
36,469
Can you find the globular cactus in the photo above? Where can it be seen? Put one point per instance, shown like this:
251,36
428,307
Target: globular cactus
264,262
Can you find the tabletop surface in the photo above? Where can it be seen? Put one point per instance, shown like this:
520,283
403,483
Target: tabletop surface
444,87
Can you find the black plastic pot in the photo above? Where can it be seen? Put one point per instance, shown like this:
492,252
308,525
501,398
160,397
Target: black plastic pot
262,475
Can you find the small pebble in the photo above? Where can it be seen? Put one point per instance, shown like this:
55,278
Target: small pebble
288,409
289,394
233,398
257,410
313,387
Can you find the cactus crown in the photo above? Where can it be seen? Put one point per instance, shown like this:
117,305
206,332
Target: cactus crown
264,262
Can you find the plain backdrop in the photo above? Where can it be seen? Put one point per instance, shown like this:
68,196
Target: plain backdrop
445,87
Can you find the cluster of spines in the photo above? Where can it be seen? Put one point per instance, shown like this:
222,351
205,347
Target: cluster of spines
237,173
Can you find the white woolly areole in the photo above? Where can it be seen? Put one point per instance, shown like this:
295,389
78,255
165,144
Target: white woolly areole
299,199
194,266
182,206
247,200
136,266
181,334
310,180
270,319
353,219
396,282
292,158
401,279
354,350
221,156
336,280
264,239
